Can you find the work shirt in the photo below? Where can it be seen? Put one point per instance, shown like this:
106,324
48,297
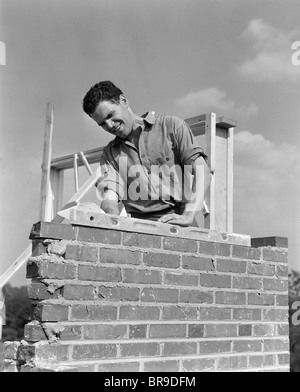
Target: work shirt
150,177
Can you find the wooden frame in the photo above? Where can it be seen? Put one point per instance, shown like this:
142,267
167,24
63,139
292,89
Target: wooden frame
218,134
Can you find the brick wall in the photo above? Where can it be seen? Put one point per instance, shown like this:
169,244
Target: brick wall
109,300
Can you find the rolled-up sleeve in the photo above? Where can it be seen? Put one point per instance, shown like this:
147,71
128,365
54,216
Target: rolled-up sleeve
110,179
186,144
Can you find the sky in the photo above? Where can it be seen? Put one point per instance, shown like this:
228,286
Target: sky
181,57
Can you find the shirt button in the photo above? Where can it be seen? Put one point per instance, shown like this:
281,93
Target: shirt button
167,158
149,171
143,156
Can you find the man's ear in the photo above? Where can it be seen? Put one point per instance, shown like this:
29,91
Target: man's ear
124,101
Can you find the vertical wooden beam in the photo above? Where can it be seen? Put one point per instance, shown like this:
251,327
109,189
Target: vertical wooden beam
210,136
230,181
46,195
75,158
57,183
86,164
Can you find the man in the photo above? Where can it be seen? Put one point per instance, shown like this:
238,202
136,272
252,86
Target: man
153,165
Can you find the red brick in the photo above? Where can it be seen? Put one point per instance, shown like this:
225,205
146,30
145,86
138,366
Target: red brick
181,279
214,248
230,298
213,280
215,346
52,230
161,366
276,344
261,269
141,276
46,269
246,346
179,348
139,350
278,242
93,312
245,314
82,252
69,332
246,283
282,271
38,248
245,330
281,300
119,367
180,244
50,312
231,266
102,236
283,329
118,293
198,364
263,330
159,295
232,363
129,312
43,351
261,299
141,240
275,315
211,313
220,330
276,255
167,331
197,263
10,350
79,292
195,330
259,361
283,359
179,313
39,291
160,259
33,332
100,274
245,252
196,296
93,351
120,256
275,285
104,331
138,331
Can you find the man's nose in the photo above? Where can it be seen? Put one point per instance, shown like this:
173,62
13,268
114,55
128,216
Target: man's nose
109,124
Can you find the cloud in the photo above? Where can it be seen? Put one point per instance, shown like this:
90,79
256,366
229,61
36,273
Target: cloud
266,187
212,100
270,53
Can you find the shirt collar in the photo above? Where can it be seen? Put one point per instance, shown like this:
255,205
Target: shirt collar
149,117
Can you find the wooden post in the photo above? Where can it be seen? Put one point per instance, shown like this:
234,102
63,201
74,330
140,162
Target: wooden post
45,211
75,157
57,184
230,180
210,136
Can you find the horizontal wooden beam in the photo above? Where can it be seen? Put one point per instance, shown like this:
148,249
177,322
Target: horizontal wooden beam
197,125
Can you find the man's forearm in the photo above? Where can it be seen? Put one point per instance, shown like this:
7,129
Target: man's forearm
200,186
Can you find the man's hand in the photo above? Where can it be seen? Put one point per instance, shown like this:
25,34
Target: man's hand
176,219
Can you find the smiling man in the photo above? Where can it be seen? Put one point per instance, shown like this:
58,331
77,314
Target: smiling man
153,165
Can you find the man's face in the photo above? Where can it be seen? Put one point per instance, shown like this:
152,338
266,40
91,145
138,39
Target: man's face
114,118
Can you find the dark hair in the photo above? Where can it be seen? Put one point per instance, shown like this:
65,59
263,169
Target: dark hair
102,91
